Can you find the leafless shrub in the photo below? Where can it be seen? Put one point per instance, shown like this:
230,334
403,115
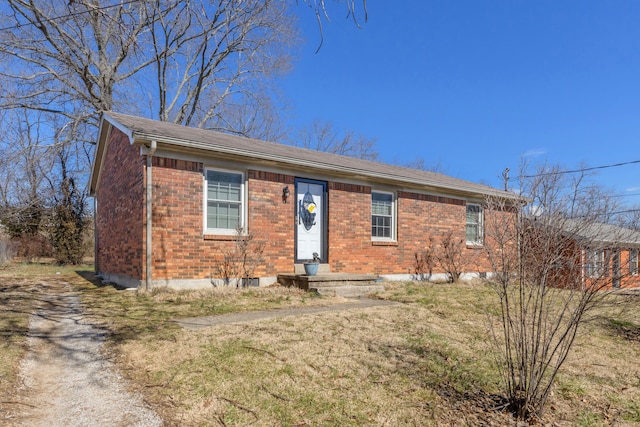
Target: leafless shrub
449,256
424,261
238,262
547,278
445,253
33,247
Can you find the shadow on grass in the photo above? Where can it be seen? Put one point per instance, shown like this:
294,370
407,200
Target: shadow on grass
17,302
454,378
125,314
627,330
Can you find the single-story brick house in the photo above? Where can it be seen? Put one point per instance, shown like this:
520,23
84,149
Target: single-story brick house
607,255
580,254
169,199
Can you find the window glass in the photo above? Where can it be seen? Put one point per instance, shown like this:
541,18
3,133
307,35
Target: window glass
382,224
224,200
633,261
595,262
474,224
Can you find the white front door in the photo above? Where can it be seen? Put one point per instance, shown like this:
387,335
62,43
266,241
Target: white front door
310,220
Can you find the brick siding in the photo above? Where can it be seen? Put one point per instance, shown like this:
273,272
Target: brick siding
181,250
120,210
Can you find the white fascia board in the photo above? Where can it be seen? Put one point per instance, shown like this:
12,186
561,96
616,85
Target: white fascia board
143,138
116,124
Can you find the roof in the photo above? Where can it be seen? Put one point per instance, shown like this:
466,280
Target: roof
606,233
142,131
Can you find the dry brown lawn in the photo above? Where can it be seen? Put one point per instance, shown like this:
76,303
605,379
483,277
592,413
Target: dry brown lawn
428,361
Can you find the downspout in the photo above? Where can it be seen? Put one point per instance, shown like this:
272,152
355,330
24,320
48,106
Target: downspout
149,253
96,238
583,264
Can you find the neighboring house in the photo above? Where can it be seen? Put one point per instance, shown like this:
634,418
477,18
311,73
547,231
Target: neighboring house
168,201
585,254
609,253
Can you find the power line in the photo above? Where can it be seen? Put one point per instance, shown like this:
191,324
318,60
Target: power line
69,15
625,211
624,195
581,170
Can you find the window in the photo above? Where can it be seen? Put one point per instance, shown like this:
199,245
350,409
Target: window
594,262
382,216
633,262
474,225
224,201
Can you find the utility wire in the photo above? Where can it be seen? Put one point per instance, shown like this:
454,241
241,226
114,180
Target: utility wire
69,15
623,212
581,170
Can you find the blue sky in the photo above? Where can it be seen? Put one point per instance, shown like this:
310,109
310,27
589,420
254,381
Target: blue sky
473,86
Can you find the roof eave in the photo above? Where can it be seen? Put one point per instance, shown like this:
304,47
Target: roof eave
142,138
107,123
96,165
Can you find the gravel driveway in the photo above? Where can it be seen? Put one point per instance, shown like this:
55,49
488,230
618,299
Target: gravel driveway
66,378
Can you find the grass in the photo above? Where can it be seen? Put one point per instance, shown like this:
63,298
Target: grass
428,361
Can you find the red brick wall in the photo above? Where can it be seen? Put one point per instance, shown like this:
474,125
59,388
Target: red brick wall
182,251
272,220
627,279
120,208
350,249
178,247
419,217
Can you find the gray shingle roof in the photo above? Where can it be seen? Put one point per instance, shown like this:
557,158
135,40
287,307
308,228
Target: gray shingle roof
142,130
605,233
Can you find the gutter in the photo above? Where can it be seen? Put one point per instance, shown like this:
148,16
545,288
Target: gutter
314,164
153,146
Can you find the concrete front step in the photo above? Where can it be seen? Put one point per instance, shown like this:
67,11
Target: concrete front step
346,285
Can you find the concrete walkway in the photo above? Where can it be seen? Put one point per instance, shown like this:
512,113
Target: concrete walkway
195,323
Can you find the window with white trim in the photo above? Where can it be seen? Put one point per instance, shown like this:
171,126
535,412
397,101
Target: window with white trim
475,232
382,216
594,262
224,204
633,262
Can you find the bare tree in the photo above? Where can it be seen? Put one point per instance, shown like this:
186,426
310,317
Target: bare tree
191,59
23,192
629,217
322,13
68,220
322,136
197,62
202,63
420,163
550,271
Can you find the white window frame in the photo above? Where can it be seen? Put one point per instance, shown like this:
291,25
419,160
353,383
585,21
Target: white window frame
243,202
633,262
393,216
479,241
594,262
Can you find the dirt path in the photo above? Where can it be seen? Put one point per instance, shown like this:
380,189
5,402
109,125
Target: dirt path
67,380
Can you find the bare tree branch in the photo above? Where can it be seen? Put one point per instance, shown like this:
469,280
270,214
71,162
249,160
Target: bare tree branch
554,262
322,136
